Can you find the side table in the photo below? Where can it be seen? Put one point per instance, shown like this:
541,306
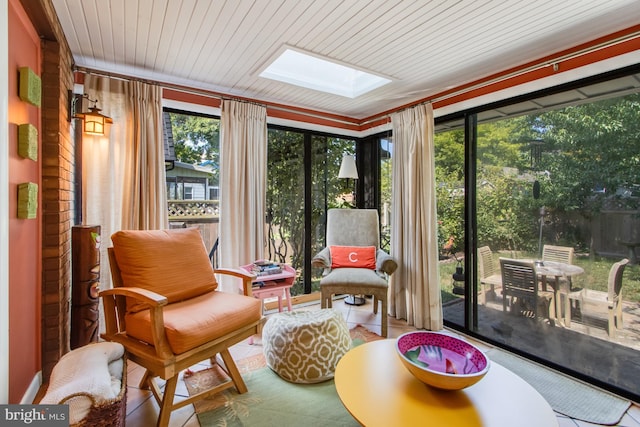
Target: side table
274,285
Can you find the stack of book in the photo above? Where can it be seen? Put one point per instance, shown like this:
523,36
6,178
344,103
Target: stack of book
266,268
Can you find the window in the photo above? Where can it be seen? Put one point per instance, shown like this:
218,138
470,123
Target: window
188,192
302,183
386,151
192,175
214,193
449,163
552,172
285,221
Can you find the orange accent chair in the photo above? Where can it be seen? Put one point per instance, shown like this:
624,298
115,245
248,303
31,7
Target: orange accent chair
165,310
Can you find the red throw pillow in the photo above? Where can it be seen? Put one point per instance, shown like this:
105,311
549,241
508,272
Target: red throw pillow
353,256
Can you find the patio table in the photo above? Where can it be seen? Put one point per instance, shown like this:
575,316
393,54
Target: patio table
558,270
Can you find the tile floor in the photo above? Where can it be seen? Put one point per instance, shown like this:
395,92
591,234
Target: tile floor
142,409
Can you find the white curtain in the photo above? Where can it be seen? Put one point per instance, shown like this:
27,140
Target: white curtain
145,194
103,162
123,181
414,292
243,181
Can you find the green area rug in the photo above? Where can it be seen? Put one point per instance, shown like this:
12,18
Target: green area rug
272,401
565,395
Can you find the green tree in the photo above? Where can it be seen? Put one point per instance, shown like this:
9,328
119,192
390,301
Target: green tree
285,197
196,138
587,147
449,163
503,191
285,192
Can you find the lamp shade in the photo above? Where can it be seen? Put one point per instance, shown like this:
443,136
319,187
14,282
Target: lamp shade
348,168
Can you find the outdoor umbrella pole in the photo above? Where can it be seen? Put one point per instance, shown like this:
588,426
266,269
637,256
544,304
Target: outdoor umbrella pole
542,213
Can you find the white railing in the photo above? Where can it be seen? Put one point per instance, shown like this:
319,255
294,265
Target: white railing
185,210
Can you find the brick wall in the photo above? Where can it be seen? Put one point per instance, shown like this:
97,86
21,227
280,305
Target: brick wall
58,161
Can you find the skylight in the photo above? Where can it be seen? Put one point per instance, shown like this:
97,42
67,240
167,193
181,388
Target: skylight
301,69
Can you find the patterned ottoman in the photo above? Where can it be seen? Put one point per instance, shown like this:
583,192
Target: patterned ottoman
305,346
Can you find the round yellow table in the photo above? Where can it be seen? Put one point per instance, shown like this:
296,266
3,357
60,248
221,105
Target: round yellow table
378,390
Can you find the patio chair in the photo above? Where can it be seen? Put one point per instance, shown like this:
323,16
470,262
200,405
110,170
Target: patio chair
604,305
165,310
520,285
349,232
563,254
489,273
557,253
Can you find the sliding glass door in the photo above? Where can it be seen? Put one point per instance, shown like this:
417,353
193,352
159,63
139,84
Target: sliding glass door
556,190
302,183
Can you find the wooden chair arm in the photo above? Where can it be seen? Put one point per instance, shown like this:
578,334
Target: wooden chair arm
143,295
155,302
247,277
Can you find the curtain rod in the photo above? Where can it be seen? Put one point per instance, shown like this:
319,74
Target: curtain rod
186,89
204,92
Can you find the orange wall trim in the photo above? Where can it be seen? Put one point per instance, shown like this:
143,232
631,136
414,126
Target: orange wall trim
539,69
273,110
548,70
192,98
312,119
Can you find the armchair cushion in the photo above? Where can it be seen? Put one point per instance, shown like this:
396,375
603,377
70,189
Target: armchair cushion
198,320
172,263
354,276
353,256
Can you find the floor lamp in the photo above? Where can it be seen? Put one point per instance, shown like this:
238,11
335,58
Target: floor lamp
348,171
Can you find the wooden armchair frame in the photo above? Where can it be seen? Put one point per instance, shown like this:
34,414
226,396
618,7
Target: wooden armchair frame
158,359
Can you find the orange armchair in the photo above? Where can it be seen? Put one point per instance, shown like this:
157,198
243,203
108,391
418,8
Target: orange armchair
165,310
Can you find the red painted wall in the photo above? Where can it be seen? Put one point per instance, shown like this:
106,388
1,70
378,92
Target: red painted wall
25,235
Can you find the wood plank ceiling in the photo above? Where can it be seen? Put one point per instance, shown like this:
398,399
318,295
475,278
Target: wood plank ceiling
426,46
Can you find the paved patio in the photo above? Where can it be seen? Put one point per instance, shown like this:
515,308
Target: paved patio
629,336
584,349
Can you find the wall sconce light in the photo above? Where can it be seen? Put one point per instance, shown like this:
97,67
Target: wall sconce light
94,121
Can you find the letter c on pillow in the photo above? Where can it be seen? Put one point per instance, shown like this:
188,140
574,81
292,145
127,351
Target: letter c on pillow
353,256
